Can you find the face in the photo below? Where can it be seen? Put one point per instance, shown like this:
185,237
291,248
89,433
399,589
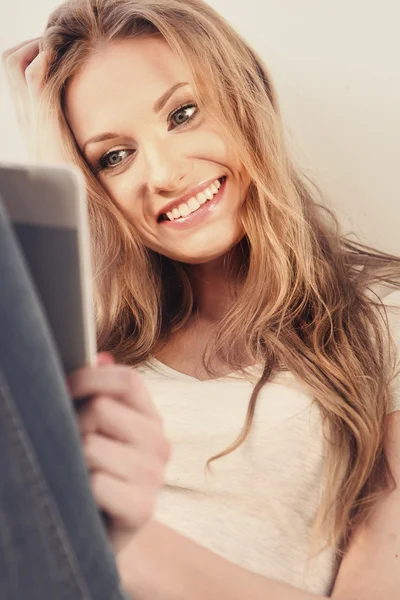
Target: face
133,113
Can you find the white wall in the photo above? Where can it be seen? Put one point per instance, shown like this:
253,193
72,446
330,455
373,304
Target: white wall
336,64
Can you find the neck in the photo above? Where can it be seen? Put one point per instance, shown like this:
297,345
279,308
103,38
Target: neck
213,288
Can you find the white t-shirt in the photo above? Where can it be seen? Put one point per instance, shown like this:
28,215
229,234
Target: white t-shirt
258,504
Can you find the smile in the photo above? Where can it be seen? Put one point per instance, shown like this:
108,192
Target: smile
193,204
197,209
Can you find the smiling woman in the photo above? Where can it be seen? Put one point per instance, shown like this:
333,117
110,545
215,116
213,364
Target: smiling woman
165,153
256,325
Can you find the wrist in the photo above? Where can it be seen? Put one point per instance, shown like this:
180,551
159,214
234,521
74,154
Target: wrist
147,569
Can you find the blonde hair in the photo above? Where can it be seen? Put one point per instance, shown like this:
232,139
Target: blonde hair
303,301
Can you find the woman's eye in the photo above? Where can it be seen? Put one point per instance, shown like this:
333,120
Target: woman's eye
114,158
183,115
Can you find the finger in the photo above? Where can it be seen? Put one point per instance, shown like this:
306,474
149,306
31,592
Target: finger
122,461
118,381
119,422
112,418
17,62
35,72
105,358
17,47
130,504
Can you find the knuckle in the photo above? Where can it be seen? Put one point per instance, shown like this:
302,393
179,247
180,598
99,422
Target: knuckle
155,421
97,482
90,443
131,461
154,476
137,507
163,449
10,57
11,62
133,424
101,405
76,382
32,73
4,56
15,59
145,507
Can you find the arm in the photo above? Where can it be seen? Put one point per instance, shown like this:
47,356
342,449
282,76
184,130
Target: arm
160,564
371,568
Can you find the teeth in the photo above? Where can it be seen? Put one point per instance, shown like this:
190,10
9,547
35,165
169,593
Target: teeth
184,209
201,198
193,204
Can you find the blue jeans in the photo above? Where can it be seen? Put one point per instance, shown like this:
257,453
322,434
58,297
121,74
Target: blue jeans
53,545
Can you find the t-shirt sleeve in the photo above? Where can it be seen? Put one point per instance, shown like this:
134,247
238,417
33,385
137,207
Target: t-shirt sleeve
392,304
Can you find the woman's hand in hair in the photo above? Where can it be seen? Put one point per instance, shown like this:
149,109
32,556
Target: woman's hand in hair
25,67
123,444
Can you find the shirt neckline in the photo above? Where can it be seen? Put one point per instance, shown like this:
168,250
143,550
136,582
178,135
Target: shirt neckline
161,367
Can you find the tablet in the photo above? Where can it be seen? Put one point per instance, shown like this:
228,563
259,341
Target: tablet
48,210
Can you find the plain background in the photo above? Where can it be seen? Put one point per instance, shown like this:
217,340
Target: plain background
336,65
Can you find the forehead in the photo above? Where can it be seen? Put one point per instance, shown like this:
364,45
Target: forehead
122,78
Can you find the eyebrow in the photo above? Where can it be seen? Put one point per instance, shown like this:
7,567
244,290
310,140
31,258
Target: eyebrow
161,102
158,106
100,138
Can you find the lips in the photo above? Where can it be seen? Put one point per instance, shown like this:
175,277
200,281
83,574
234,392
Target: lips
209,210
188,201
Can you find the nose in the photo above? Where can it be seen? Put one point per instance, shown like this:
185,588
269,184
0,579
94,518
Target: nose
166,169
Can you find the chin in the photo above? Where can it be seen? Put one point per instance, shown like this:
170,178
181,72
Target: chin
199,256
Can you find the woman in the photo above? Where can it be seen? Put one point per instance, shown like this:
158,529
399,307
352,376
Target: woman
255,325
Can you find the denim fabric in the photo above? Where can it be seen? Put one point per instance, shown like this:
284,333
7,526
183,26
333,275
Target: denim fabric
52,541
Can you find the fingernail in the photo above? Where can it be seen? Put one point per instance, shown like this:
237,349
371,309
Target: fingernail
105,358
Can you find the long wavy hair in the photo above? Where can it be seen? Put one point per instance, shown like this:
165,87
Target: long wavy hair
304,301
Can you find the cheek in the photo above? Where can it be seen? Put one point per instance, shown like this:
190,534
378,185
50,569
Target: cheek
207,143
123,192
216,141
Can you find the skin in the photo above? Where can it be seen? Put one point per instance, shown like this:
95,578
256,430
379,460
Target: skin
183,569
122,434
160,161
116,92
168,163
